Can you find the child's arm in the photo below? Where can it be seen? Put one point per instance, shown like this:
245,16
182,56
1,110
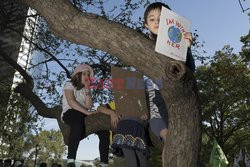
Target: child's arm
114,117
190,60
73,103
88,100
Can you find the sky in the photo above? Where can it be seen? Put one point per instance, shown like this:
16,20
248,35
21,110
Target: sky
219,22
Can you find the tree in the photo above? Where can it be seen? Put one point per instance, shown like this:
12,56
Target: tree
224,92
16,123
49,146
17,120
67,22
245,56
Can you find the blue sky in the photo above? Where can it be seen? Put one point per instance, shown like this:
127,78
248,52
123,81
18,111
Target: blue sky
219,22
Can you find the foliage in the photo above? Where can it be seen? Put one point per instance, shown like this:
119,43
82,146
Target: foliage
16,123
49,145
224,86
155,158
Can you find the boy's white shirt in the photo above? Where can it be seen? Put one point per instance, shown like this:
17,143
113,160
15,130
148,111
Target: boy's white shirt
164,43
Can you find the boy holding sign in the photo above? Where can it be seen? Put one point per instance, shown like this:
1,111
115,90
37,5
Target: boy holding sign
158,112
152,19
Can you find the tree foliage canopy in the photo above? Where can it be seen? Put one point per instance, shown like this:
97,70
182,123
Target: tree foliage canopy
224,85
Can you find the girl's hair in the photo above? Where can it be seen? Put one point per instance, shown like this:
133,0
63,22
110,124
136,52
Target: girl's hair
153,6
76,81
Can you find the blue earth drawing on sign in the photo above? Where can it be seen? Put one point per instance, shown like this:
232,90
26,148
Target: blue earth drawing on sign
174,34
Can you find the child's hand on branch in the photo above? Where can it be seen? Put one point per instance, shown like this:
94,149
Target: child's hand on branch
90,113
114,119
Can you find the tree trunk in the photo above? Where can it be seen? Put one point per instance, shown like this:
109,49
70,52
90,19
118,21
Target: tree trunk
179,91
183,141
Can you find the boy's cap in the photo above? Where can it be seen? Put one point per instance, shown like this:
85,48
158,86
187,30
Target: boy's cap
81,68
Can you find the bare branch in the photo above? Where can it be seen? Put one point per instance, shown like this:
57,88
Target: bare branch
242,8
44,50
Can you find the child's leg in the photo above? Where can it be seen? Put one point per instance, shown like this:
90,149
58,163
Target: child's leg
141,158
163,134
130,158
159,128
75,119
103,145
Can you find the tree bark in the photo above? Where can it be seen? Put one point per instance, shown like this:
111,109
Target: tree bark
179,91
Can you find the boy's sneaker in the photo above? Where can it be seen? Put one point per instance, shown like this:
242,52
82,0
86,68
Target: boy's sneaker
103,164
71,164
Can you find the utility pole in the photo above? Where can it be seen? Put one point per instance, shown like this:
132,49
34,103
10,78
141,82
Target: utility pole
36,154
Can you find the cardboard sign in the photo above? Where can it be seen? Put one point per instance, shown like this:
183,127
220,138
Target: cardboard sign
129,93
170,39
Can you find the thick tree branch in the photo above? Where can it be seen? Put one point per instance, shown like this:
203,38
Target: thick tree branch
40,106
94,31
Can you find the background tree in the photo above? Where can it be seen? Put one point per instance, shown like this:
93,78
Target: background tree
51,147
16,122
16,119
224,85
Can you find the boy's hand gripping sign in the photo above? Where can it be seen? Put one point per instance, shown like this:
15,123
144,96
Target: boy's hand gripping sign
170,39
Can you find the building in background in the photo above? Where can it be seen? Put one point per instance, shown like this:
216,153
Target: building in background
17,33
